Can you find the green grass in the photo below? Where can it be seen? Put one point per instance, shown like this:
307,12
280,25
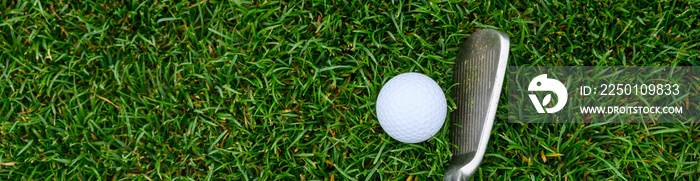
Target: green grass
238,90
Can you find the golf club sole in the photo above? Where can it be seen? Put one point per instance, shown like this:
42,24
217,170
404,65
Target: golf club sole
479,72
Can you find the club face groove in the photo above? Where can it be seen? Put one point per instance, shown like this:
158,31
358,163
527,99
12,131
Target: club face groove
479,73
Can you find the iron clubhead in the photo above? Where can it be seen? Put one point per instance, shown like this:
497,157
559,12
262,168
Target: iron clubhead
479,71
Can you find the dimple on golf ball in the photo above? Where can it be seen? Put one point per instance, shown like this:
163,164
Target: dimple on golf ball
411,107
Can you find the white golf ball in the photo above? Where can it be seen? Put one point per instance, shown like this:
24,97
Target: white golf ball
411,107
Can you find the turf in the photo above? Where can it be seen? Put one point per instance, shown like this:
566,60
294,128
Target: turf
268,90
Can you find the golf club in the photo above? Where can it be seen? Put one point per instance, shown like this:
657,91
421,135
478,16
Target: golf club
479,71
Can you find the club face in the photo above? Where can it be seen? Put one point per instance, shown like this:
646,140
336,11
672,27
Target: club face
479,73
